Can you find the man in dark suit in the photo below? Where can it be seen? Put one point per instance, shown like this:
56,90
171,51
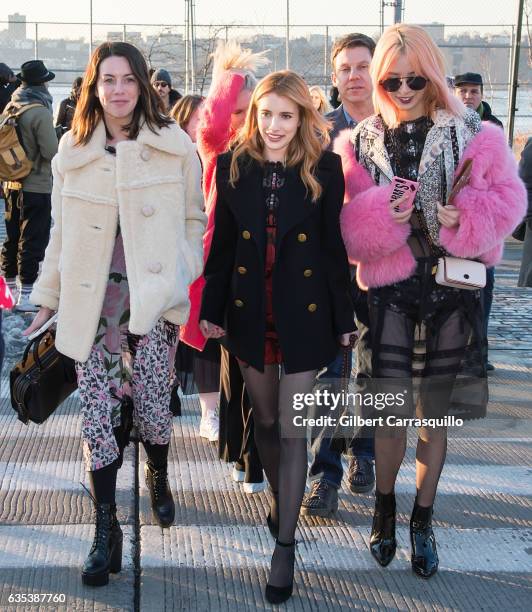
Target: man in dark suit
351,56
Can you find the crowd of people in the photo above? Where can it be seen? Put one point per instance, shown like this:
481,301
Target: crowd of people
244,241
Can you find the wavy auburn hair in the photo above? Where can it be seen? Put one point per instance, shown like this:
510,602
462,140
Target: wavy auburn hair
427,61
89,111
311,137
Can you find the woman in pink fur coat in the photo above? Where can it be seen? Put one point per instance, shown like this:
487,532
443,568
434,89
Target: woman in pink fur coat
418,327
222,115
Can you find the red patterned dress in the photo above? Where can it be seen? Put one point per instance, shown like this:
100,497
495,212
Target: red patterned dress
273,181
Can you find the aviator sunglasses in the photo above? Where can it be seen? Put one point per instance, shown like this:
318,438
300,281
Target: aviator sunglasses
415,83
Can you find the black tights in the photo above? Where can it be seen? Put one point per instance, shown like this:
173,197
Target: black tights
103,481
390,446
282,446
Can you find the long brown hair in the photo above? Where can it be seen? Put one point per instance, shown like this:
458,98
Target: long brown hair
89,110
184,109
305,148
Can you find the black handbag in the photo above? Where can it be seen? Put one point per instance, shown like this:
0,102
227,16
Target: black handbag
41,380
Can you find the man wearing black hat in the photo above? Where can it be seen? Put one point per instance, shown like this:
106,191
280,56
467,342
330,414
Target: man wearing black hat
8,84
162,83
28,201
470,89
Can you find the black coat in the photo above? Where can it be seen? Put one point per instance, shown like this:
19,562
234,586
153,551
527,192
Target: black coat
487,115
311,301
65,114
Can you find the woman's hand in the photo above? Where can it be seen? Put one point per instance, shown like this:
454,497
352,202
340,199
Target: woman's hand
398,215
448,216
210,330
39,320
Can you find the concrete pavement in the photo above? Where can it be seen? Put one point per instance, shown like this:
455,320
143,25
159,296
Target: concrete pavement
216,556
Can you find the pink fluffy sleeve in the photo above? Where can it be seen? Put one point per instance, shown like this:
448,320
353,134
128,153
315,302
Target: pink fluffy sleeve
492,204
368,229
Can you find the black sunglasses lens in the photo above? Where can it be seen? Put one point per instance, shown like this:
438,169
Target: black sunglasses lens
391,84
416,83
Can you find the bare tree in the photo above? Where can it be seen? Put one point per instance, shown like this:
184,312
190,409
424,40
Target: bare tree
165,50
204,53
485,66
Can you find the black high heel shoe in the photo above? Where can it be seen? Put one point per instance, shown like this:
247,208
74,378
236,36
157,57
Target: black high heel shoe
273,524
382,542
280,594
424,557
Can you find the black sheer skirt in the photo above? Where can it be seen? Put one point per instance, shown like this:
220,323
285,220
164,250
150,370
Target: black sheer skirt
198,371
428,345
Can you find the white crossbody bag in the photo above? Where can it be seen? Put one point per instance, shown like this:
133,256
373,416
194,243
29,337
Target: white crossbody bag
460,273
455,271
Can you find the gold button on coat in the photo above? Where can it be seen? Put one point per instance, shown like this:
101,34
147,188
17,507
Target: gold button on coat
246,235
302,237
148,211
239,303
312,307
242,270
307,273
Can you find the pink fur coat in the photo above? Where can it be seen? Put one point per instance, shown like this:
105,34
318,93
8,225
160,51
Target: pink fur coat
214,134
491,206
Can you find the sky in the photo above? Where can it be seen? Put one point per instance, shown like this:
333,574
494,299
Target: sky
260,12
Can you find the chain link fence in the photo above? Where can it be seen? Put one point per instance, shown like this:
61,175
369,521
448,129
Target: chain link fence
64,47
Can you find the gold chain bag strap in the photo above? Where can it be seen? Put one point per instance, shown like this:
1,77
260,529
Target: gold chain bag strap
456,271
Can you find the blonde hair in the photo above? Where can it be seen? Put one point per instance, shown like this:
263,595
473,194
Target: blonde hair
307,145
427,61
184,109
324,104
230,56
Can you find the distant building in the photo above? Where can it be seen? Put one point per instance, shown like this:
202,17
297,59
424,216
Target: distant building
16,27
436,30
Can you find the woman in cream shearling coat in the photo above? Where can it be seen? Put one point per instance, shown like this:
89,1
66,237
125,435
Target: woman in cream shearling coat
153,186
126,244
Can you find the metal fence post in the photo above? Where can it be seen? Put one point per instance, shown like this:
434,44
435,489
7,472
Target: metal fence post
326,58
514,83
36,41
124,33
287,42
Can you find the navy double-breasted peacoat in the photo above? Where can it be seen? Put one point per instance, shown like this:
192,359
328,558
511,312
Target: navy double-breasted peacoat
311,299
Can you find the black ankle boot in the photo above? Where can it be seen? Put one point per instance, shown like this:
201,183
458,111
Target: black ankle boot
382,543
424,554
273,516
106,553
162,502
279,594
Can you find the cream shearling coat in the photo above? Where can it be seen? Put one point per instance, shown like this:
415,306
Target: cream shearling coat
153,187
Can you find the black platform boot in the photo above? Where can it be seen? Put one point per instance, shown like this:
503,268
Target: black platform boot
280,594
382,542
162,502
424,554
273,516
106,553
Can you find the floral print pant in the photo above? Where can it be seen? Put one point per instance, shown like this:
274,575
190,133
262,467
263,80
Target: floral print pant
149,386
125,369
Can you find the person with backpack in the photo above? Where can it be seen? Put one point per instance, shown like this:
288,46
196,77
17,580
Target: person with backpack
27,193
